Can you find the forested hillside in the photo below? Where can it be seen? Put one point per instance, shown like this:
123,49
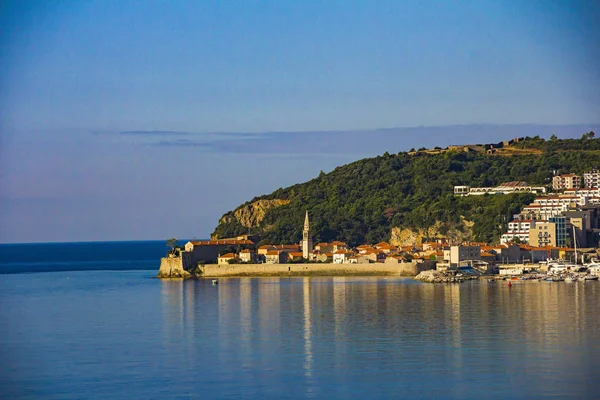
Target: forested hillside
362,201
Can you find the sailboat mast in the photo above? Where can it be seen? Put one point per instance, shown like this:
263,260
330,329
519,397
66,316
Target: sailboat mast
575,242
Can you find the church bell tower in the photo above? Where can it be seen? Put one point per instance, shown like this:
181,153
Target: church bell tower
307,244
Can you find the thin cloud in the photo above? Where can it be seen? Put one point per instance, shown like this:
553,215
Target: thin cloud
375,141
182,143
155,133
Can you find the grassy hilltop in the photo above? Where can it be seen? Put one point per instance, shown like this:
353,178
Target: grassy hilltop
400,197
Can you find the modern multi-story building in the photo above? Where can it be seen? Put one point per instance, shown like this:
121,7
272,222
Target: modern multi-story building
591,179
562,234
559,200
566,181
539,212
510,237
580,227
517,229
543,233
462,253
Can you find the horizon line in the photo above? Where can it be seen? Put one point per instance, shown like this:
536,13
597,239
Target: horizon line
95,241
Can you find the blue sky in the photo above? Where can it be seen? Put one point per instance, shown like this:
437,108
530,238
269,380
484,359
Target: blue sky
149,119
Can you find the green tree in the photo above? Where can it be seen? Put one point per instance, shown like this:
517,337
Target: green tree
362,201
172,245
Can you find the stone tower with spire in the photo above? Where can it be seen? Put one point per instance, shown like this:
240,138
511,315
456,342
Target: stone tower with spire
307,244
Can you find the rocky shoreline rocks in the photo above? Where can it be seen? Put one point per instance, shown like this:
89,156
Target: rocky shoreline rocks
172,268
433,276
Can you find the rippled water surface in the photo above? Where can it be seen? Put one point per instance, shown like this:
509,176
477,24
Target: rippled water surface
124,334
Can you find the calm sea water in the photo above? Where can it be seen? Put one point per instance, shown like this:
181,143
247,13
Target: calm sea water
51,257
124,334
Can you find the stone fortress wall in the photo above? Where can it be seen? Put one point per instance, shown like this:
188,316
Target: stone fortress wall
315,269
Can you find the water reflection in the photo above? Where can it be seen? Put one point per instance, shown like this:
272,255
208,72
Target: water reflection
190,314
172,307
339,307
339,320
308,355
535,337
269,305
245,301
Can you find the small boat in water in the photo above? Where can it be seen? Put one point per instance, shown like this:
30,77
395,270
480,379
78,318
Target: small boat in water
562,267
590,278
215,282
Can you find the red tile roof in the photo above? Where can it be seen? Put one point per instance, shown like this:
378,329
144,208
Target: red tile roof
343,252
286,246
228,255
513,184
221,242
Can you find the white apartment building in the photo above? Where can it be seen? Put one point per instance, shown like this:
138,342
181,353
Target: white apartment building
543,208
591,179
589,192
520,226
560,200
510,237
543,212
517,229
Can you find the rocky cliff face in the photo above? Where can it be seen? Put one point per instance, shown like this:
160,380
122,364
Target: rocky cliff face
458,233
247,216
172,267
252,214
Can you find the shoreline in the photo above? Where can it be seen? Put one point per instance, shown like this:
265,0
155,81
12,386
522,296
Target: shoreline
173,268
284,270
